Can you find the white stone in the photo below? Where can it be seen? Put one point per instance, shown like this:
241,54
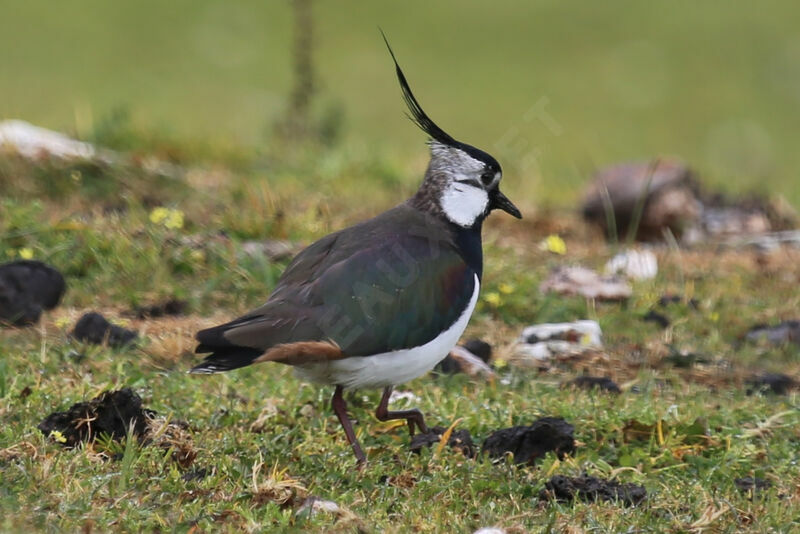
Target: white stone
31,141
314,505
543,341
635,264
406,396
577,280
470,364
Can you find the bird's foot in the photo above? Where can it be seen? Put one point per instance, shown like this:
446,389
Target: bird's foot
412,417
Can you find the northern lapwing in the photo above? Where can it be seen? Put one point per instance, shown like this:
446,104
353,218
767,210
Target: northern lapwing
381,302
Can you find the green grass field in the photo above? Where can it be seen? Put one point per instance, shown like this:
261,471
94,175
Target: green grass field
200,86
711,432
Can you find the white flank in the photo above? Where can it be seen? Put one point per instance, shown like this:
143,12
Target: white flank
390,368
463,203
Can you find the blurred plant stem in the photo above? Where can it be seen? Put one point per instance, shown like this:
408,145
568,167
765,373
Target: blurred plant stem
295,126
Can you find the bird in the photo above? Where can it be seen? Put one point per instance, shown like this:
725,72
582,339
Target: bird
379,303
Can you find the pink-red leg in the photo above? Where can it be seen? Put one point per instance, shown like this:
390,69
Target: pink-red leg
340,409
412,417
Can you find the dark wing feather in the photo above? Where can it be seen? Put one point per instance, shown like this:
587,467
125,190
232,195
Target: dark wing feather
395,296
390,283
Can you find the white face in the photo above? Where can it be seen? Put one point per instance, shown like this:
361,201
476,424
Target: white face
465,198
464,203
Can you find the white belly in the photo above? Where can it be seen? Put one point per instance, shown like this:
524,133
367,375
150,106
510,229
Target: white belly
389,368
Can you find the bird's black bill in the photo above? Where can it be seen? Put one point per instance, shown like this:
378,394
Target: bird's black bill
501,202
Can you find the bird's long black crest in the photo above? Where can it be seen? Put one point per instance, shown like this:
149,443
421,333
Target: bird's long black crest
418,116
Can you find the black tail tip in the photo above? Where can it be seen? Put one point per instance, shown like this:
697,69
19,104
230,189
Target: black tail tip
224,359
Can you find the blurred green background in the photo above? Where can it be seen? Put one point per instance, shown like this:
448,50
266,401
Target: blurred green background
717,83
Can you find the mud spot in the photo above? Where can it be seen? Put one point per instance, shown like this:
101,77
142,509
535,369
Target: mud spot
93,328
28,287
660,319
592,489
460,440
529,443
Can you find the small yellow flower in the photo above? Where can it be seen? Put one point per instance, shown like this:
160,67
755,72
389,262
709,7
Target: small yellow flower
158,215
493,299
505,288
198,256
168,217
174,220
58,436
62,322
554,244
26,253
715,316
499,363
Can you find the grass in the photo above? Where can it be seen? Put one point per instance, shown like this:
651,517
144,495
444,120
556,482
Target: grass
620,81
264,441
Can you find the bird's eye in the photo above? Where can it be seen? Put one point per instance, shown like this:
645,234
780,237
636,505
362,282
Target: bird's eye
487,178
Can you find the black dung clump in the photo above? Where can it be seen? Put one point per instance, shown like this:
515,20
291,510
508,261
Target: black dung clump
198,473
112,413
780,334
592,489
682,358
776,383
95,329
668,299
459,439
529,443
602,383
655,317
448,366
26,288
752,484
169,307
479,348
451,366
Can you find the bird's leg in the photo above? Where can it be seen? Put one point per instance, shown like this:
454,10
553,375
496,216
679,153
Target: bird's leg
411,416
340,409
